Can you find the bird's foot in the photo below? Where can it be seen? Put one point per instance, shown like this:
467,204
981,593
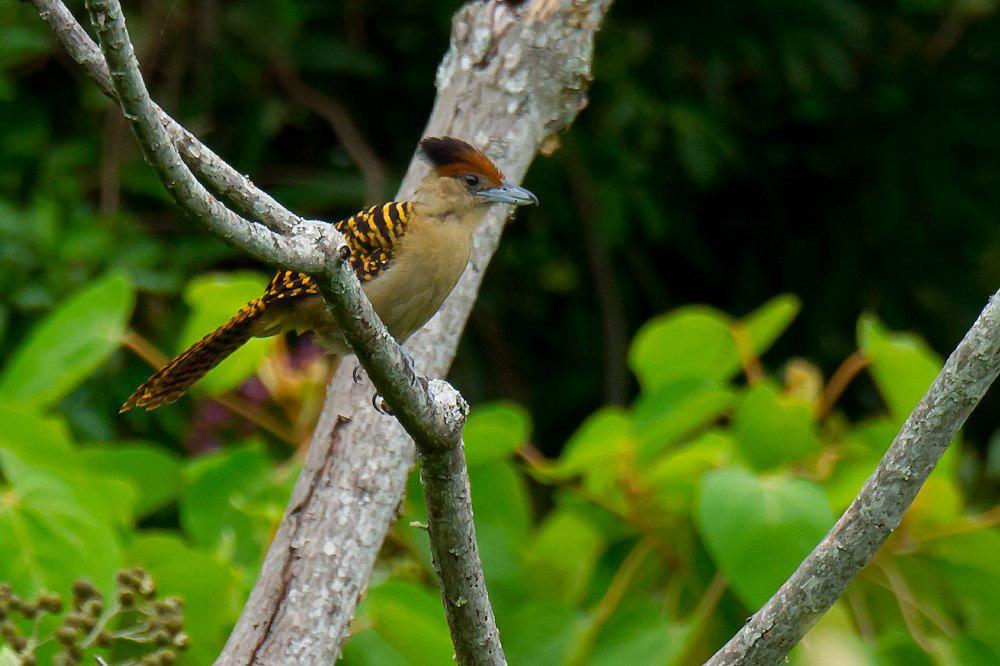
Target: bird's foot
358,375
380,406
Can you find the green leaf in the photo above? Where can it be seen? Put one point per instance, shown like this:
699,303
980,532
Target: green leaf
217,487
766,324
902,365
774,429
494,431
674,479
667,415
33,439
210,589
757,530
30,443
155,473
699,342
214,299
69,344
970,566
562,558
638,633
48,539
694,342
367,648
503,519
605,437
539,633
410,618
599,451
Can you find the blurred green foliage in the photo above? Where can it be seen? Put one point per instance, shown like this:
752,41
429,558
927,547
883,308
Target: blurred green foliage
648,479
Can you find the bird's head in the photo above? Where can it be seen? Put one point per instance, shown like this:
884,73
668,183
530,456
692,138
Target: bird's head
462,177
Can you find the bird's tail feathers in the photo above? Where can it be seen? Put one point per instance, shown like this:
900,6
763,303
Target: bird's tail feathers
175,378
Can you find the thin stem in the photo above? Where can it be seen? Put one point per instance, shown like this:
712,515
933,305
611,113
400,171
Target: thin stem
839,381
620,583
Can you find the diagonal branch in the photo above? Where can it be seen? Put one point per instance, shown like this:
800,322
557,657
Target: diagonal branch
512,78
822,577
226,182
433,413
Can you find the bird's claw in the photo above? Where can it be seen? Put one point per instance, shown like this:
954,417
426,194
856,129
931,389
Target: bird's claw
378,403
358,374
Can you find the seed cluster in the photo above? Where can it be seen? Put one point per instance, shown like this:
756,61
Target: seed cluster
135,616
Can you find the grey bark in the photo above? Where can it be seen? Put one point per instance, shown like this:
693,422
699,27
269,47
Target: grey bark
824,575
509,81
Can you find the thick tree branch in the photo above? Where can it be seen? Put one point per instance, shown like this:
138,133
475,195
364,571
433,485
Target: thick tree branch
433,413
511,79
822,577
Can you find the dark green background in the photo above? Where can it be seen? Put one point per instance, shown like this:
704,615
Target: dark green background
845,152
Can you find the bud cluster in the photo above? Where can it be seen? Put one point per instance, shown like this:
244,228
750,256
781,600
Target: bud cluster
139,618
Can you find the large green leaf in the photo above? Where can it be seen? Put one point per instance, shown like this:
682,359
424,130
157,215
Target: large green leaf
602,439
639,632
69,344
212,506
563,557
503,518
30,443
494,431
367,648
214,299
155,473
538,633
699,342
758,529
210,589
410,618
774,429
665,416
48,538
601,449
674,479
902,365
693,342
970,565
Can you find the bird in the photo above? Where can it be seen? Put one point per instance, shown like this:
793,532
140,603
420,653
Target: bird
408,256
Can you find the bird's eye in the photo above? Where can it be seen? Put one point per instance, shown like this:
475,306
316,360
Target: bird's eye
472,180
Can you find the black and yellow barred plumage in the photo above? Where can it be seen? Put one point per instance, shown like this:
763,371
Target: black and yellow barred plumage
406,282
372,236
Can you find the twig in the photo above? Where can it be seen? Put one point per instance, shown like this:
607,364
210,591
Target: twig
839,381
878,509
620,583
248,200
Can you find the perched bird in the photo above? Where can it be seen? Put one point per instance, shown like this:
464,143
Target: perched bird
408,255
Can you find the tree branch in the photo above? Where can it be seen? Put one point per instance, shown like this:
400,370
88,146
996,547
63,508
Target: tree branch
822,577
245,197
511,79
433,413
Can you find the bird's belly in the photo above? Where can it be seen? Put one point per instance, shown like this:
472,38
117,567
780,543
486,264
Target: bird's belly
410,292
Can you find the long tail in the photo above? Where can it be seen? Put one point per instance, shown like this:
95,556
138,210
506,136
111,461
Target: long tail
174,379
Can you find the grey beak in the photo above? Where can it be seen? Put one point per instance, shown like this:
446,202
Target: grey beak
507,193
